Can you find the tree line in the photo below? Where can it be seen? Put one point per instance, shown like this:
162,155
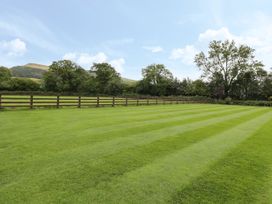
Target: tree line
229,70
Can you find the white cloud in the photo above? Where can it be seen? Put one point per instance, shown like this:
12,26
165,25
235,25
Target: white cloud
154,49
224,34
86,60
15,47
30,29
70,56
210,34
186,54
254,38
118,64
258,36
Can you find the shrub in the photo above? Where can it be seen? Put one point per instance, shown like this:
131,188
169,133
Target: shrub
228,100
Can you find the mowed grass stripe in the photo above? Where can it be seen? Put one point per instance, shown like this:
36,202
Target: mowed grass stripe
61,164
78,119
116,142
243,176
155,183
100,126
143,137
31,151
74,140
109,167
100,134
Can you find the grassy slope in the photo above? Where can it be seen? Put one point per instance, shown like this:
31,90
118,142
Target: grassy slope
29,71
156,154
37,66
35,71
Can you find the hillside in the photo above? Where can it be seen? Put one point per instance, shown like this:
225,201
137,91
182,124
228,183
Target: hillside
37,66
36,71
29,71
129,81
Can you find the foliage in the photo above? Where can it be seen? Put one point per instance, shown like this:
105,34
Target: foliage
23,84
28,71
108,81
5,77
9,83
64,76
227,61
228,100
156,80
5,74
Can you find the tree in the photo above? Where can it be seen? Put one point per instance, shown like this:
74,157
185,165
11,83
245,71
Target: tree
23,84
200,88
186,87
5,77
267,86
227,61
108,81
156,80
88,85
114,87
249,85
5,74
64,75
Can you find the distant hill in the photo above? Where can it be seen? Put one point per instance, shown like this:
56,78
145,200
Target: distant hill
36,71
29,71
37,66
129,81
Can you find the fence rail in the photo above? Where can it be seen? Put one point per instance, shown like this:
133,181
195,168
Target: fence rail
37,101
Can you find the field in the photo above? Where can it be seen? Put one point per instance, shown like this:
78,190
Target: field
185,153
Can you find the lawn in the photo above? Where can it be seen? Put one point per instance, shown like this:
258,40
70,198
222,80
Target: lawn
188,153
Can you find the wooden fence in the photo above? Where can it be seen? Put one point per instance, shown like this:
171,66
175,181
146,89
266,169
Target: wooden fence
34,101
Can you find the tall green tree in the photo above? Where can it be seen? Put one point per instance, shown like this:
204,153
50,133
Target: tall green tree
249,84
108,80
200,88
227,60
267,86
64,76
5,73
156,80
23,84
5,77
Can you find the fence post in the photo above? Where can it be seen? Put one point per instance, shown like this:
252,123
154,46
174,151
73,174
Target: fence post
137,101
147,101
97,101
79,102
156,100
126,101
113,101
31,102
0,101
58,99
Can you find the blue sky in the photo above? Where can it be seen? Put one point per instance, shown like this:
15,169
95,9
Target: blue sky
130,34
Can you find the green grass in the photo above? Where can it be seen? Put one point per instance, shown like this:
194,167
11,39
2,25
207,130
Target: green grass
189,153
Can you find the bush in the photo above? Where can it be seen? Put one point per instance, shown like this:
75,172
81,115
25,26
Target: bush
21,84
228,100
